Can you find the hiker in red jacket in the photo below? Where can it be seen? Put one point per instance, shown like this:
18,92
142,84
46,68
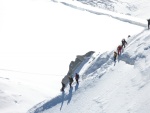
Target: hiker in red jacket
119,48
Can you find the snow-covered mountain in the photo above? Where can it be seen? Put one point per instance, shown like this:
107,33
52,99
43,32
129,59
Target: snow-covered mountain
109,87
137,8
41,37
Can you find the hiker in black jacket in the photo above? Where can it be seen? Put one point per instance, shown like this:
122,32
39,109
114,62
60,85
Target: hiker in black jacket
70,81
77,78
148,23
124,43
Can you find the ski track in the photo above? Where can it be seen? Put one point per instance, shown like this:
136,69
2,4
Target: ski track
106,14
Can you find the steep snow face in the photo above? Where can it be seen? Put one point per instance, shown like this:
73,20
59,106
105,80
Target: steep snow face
123,88
136,8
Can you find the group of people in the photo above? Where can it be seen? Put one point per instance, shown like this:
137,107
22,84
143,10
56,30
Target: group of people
70,78
119,48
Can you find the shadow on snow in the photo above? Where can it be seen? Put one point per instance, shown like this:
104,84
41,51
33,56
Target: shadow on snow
51,103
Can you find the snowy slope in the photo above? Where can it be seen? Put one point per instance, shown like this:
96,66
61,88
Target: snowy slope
35,54
137,8
123,88
99,11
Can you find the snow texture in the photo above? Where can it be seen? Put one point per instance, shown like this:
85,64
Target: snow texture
39,38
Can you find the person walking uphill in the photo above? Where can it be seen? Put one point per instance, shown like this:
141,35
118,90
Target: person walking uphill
77,77
64,82
115,56
119,48
70,81
124,43
148,23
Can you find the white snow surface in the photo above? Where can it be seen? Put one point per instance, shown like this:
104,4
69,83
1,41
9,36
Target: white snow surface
136,8
39,38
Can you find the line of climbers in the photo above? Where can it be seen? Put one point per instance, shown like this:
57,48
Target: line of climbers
124,43
65,81
120,48
70,78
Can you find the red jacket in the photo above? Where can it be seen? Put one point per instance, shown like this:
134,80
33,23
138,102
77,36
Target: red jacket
119,47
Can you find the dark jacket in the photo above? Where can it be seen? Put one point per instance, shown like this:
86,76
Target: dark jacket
70,79
115,54
124,42
77,76
148,21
